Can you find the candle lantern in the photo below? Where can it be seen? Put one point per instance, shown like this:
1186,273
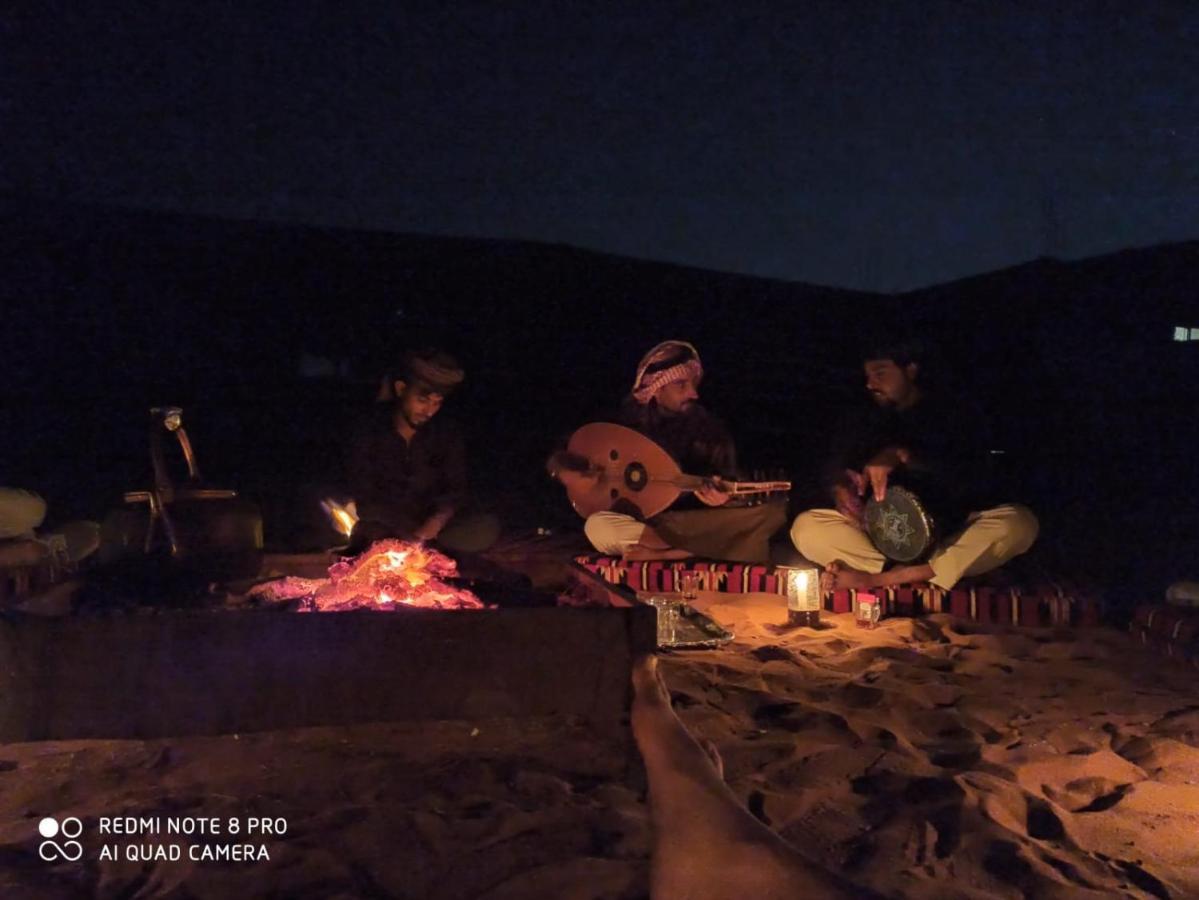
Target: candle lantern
802,587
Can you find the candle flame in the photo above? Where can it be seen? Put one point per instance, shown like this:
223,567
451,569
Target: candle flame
344,518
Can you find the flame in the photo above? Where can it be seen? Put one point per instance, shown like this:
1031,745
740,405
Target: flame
391,575
344,518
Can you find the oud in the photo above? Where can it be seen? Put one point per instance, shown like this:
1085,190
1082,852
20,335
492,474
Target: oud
611,463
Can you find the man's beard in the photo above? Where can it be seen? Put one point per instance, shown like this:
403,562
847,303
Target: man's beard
688,407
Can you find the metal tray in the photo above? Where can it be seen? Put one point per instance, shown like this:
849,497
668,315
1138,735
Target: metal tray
695,631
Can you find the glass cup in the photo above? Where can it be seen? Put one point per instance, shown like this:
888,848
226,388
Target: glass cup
668,618
689,582
868,612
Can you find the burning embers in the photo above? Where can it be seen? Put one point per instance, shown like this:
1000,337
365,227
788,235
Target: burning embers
389,575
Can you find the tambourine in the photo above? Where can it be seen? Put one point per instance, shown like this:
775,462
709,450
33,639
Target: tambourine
899,526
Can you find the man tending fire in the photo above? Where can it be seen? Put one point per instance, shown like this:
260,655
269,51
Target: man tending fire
407,469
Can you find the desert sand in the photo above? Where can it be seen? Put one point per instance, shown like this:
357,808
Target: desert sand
926,758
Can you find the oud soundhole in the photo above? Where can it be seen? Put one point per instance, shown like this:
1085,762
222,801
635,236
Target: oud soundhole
613,455
635,477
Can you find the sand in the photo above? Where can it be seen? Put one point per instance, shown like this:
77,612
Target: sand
923,759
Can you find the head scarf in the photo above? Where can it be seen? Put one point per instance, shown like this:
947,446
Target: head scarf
647,384
437,371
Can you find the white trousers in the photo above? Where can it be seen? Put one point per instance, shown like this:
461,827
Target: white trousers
991,537
20,512
611,533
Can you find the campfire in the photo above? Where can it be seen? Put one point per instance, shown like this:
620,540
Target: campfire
390,575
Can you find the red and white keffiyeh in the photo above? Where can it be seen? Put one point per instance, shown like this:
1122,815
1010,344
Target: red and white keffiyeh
646,386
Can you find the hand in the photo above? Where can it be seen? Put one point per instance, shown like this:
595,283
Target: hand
563,463
572,479
430,529
856,481
849,501
828,578
711,494
879,470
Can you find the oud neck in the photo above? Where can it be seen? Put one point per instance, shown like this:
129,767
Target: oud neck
695,483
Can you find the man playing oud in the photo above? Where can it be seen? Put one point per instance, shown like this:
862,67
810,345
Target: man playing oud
664,406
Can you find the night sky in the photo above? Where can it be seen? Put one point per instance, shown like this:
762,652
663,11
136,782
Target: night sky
871,145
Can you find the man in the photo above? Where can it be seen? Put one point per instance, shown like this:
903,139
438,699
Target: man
407,468
664,406
937,447
21,512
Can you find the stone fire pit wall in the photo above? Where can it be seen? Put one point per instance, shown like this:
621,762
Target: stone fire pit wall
209,673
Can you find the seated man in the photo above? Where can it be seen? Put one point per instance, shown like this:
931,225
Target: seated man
407,471
938,448
20,513
664,406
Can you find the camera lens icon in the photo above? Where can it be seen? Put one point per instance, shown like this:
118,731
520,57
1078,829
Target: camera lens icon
51,850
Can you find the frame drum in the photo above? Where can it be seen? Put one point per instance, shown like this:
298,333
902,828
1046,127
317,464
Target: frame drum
900,527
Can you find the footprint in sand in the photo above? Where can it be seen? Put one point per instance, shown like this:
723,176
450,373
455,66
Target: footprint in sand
1090,795
1042,822
933,806
795,717
772,653
1142,879
948,743
954,755
861,696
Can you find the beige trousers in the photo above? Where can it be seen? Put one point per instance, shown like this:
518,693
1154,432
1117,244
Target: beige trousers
991,537
20,512
611,532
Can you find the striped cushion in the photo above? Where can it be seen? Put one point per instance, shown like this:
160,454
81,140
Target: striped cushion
659,575
1039,605
1172,631
990,599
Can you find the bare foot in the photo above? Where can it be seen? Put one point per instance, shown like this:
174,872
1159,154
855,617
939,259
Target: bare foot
845,578
707,846
839,577
639,552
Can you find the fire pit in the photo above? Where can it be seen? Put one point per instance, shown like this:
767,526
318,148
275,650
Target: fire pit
391,575
169,672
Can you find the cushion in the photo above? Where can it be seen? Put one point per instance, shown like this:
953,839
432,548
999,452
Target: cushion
996,598
659,575
1172,631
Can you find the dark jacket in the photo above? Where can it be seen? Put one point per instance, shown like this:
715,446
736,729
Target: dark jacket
950,467
699,442
403,483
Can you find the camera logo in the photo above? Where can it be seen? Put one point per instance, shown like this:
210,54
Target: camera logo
51,850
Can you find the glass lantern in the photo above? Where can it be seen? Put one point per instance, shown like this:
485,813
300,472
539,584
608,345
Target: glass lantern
802,588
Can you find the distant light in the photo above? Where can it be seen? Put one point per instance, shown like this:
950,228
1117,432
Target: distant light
1180,333
1195,334
998,452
